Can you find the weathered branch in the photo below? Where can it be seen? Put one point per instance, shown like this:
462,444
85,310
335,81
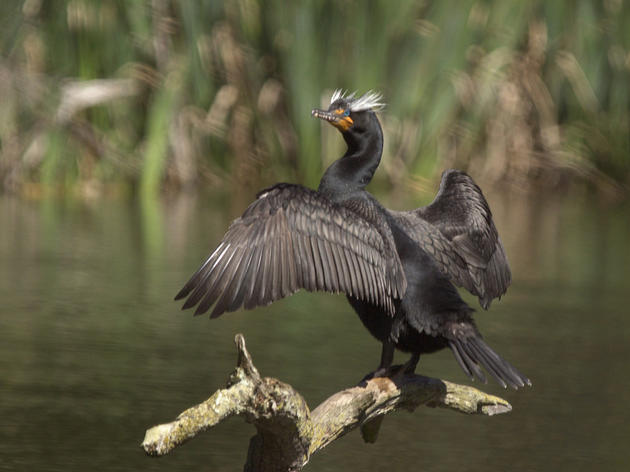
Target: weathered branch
288,433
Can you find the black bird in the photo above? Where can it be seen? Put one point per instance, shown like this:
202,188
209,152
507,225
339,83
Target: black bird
397,269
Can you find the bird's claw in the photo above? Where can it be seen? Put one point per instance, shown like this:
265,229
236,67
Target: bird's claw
391,371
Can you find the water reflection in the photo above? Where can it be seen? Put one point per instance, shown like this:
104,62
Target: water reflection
93,350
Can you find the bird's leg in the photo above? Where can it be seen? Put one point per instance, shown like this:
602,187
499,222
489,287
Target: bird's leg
409,367
387,357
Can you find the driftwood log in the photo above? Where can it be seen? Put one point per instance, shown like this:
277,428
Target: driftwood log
288,433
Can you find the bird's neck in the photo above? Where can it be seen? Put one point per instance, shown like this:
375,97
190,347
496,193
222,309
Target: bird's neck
355,169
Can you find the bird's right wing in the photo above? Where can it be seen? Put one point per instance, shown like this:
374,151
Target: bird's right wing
292,237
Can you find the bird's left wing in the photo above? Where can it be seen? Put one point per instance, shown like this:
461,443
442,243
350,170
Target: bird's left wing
458,231
292,237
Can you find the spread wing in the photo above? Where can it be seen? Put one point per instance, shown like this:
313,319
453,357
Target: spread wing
458,231
292,237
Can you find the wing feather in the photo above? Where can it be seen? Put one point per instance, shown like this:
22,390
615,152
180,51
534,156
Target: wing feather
343,273
252,298
457,230
354,280
292,237
317,260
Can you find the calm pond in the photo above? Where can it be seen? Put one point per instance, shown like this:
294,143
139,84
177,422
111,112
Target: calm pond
93,349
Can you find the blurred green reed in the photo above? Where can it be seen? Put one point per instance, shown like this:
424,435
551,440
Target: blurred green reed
166,93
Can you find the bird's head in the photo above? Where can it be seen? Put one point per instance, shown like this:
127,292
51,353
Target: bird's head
348,112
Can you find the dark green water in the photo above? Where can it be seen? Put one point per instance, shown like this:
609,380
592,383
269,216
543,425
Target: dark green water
93,350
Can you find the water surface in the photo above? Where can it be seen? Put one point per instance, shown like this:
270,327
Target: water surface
93,350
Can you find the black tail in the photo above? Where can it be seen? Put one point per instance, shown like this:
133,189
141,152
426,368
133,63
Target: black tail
473,352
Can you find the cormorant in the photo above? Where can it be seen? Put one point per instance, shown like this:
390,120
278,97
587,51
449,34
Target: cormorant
397,268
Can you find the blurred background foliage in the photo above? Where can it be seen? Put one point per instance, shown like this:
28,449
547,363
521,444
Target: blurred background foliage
134,97
159,97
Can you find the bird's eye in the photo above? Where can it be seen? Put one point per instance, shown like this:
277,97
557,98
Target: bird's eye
346,112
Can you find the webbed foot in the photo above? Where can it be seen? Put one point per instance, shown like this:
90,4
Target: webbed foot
391,371
380,372
408,368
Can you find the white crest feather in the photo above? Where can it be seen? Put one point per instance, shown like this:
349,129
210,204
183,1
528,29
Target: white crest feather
370,100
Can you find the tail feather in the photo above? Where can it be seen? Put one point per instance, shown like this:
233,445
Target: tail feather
460,360
470,361
490,365
473,353
504,367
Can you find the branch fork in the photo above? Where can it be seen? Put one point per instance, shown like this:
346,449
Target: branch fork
288,433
